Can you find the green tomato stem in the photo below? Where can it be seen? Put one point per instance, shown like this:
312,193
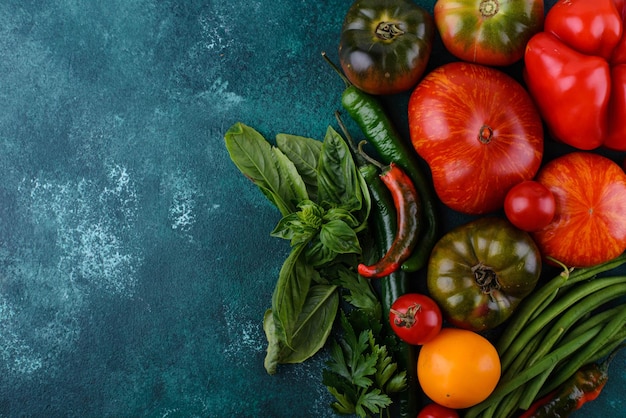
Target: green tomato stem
489,8
388,31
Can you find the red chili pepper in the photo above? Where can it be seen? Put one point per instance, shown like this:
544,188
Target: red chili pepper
584,386
407,204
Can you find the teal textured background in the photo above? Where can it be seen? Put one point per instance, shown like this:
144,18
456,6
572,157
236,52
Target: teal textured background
135,260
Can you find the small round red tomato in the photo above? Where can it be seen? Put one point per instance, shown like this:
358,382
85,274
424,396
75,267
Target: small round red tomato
490,32
385,45
478,130
458,368
415,318
529,205
589,226
434,410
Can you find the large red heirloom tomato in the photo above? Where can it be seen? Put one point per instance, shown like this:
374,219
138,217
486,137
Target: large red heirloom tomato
589,226
478,130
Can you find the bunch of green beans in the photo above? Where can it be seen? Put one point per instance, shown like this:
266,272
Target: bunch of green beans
574,319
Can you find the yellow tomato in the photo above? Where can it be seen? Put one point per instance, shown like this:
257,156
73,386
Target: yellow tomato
458,368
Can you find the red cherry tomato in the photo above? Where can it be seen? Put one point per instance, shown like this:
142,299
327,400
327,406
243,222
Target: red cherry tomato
434,410
529,205
415,318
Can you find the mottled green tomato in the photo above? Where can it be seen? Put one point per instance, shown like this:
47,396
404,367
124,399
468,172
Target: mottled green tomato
489,32
479,272
385,45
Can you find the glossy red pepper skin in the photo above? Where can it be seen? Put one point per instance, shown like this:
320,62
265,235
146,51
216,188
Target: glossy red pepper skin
407,204
584,386
576,73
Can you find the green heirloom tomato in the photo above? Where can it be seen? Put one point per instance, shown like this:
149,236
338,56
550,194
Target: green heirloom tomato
385,45
479,272
488,32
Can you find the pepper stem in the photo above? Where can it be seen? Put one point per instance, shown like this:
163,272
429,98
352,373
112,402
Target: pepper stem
485,277
357,150
336,69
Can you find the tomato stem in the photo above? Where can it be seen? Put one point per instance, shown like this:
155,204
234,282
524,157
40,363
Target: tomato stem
485,277
388,31
406,319
485,134
489,8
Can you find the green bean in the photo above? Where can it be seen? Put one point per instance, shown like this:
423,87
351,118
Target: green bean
509,403
544,304
554,357
588,272
589,352
559,376
553,311
560,327
573,314
593,320
617,339
533,387
525,311
520,360
533,302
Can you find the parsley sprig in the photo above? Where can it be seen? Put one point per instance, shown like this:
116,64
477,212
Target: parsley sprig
361,373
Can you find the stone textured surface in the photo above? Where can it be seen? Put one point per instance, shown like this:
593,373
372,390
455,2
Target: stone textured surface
135,260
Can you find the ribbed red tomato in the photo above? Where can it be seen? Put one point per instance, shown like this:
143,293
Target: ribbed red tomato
479,131
589,226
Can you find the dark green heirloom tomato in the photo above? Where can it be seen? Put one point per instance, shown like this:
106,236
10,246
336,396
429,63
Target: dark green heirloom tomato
480,271
488,32
385,45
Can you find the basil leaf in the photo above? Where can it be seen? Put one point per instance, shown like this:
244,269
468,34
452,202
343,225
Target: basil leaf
314,324
339,237
290,293
272,357
337,178
300,227
343,215
266,166
285,227
304,153
317,254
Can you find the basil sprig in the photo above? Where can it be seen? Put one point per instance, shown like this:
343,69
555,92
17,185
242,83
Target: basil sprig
325,203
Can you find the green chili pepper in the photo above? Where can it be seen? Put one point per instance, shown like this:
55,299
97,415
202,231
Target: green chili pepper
380,132
383,224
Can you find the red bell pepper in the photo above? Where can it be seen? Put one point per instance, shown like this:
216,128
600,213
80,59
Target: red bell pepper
576,72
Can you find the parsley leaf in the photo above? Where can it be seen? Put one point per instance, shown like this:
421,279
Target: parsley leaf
361,374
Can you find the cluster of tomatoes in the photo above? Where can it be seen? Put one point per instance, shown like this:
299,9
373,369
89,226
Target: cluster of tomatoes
481,132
